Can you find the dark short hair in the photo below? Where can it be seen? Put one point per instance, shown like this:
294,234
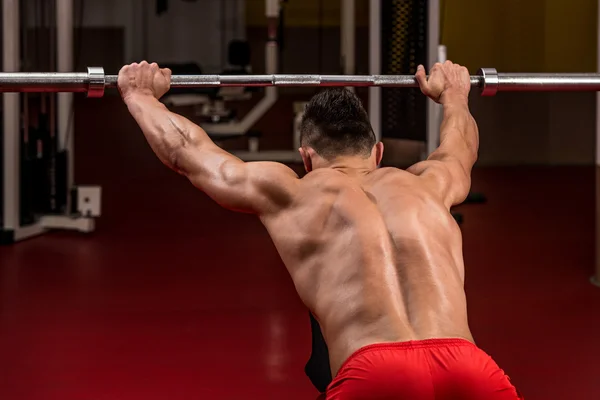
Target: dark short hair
336,124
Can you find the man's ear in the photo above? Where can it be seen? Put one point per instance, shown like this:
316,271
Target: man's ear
378,152
305,154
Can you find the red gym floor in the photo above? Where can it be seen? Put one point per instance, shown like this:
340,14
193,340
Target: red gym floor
174,298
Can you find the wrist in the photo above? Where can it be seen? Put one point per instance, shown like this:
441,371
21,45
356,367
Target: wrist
450,97
137,95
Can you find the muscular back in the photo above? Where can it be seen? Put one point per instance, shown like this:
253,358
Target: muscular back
376,257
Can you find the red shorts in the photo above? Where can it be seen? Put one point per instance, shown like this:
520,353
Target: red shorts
421,370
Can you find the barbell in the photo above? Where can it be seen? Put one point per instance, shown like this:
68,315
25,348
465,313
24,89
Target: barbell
488,80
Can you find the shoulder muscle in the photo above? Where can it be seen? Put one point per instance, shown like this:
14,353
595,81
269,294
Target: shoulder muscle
448,179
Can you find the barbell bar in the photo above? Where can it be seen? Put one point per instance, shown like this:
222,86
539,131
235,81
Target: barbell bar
488,80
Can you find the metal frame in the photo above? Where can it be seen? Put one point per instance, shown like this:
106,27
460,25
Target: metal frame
596,278
348,37
237,128
64,35
11,229
433,35
375,65
11,167
433,56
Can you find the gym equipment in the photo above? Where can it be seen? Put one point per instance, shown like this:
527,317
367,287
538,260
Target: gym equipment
94,82
223,123
37,183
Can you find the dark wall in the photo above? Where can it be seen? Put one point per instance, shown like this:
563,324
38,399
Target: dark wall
101,47
302,52
93,47
536,128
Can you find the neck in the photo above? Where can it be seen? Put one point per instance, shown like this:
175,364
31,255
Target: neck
351,165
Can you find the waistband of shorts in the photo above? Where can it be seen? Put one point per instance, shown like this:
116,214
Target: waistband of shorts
409,345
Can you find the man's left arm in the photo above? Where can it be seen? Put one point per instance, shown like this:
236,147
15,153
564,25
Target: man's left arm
258,187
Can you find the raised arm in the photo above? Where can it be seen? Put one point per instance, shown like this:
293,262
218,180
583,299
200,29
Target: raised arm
448,169
183,146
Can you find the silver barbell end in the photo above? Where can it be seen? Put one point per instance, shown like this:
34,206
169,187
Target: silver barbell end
490,81
96,82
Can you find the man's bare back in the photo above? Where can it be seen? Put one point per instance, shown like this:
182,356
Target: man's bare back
376,257
374,253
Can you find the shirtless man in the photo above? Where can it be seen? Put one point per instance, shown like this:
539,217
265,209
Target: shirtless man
374,253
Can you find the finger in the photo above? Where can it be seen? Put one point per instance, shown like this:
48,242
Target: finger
167,73
421,78
144,63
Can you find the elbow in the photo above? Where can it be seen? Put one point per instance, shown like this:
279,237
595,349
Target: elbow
471,153
461,183
473,156
474,143
232,173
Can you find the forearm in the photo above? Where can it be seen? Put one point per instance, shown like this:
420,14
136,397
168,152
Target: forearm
458,132
167,133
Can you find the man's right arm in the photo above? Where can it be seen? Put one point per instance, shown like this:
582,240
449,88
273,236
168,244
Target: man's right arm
448,168
261,187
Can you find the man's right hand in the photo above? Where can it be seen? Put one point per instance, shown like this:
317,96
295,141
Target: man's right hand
144,78
445,81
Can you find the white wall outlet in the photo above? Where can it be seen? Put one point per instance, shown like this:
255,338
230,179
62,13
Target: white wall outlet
89,202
